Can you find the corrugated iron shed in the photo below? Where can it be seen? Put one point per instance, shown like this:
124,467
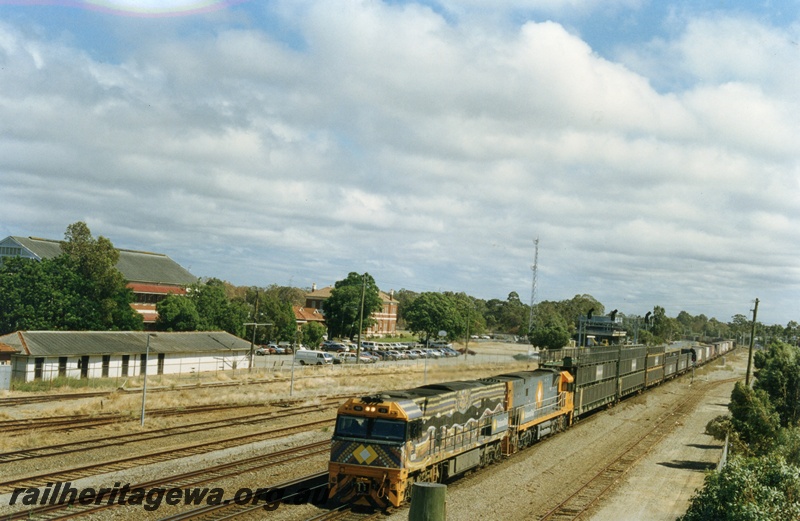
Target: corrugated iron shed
81,343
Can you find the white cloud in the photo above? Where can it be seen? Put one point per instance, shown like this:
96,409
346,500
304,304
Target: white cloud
430,152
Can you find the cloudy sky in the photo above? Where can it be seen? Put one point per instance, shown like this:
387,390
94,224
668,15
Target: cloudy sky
652,146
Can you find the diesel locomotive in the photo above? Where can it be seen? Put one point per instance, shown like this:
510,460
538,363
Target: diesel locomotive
385,442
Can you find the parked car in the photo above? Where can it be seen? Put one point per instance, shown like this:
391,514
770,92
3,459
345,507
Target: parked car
350,358
309,357
374,355
336,347
265,350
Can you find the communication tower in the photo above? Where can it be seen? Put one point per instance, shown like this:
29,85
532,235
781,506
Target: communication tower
534,269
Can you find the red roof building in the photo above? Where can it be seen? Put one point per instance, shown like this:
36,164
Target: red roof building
386,319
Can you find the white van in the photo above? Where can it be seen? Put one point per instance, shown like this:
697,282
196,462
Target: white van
308,357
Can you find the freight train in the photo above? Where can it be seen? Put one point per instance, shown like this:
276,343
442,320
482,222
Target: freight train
385,442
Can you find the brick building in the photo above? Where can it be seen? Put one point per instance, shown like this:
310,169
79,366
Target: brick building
386,319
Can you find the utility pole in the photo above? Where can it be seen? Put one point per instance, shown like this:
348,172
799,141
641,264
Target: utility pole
361,317
752,340
253,341
469,318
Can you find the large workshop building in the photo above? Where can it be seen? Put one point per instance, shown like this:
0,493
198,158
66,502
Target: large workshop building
46,355
151,276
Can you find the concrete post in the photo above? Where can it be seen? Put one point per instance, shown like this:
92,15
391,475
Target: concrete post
427,502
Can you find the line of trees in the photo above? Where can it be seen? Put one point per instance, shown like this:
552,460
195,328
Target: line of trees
761,481
81,289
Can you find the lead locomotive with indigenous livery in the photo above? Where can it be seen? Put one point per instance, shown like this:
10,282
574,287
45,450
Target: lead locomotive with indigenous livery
383,443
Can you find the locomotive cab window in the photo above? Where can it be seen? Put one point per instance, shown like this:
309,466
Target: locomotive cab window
371,428
351,426
392,430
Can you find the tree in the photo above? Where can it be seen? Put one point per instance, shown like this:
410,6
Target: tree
177,313
404,298
740,327
778,374
433,312
312,333
469,320
279,313
549,331
81,289
754,418
514,315
664,328
216,312
105,298
570,310
343,310
38,295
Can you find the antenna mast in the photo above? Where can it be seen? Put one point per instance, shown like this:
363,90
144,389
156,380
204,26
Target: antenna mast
534,269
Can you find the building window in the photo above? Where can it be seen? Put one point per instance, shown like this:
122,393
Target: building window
62,366
125,363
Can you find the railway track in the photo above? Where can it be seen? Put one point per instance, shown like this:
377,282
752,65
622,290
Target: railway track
188,480
13,401
136,437
347,513
311,488
88,421
74,473
599,484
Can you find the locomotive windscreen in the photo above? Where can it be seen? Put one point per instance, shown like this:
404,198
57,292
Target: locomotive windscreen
370,428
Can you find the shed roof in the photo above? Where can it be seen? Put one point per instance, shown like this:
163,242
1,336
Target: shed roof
77,343
5,348
136,266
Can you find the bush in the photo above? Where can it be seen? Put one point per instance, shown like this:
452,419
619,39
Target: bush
749,489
